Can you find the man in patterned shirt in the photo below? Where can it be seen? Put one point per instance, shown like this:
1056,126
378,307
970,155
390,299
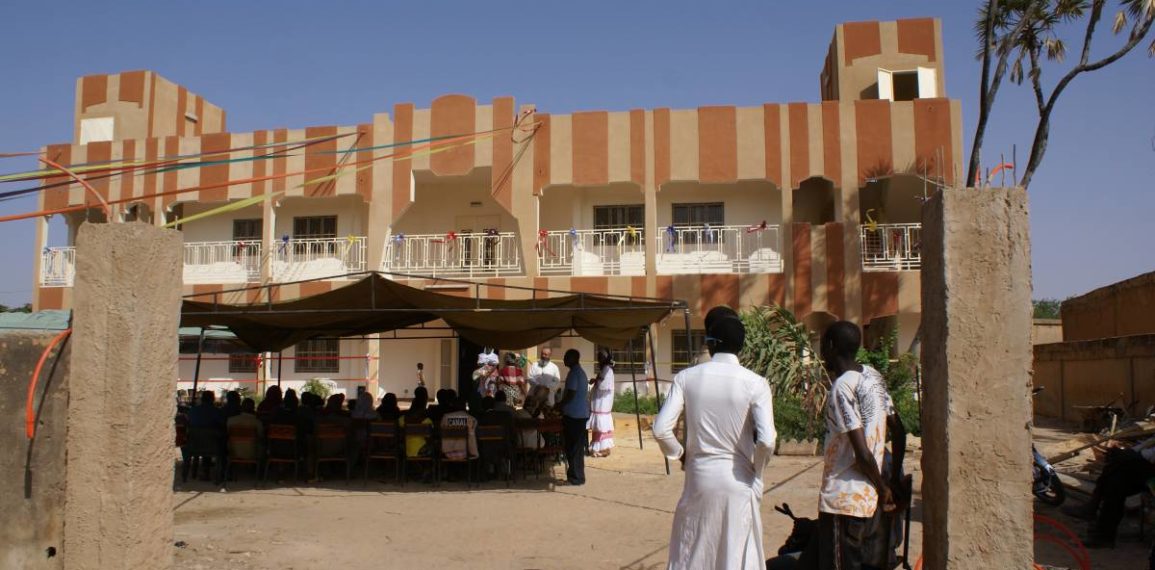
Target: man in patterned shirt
854,494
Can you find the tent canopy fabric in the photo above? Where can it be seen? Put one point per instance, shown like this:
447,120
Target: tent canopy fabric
376,304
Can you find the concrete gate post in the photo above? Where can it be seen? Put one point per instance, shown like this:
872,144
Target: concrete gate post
118,502
976,358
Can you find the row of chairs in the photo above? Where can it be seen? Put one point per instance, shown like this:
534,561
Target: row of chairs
498,438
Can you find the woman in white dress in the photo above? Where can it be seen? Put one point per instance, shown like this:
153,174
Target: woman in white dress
601,405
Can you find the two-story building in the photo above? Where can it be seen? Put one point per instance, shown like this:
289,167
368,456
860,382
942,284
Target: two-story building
811,205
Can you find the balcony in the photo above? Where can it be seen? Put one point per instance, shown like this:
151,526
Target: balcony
720,249
617,251
236,262
891,247
467,255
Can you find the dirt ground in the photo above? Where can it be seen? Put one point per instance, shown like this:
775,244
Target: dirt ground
620,519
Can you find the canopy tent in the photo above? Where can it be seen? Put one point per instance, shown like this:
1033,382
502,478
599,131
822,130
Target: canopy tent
376,304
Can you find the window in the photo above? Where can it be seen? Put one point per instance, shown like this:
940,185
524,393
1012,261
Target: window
242,362
610,217
683,356
907,85
247,230
98,129
627,362
318,355
712,213
315,227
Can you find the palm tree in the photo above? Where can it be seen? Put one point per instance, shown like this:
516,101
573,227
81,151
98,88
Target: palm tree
780,348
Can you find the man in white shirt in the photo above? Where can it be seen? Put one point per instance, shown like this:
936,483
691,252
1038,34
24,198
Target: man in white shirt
729,438
854,494
545,373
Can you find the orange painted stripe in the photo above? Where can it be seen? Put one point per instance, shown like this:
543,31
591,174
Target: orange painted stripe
718,289
541,144
281,164
494,291
181,109
57,197
541,283
169,179
100,152
149,181
132,87
717,144
638,286
832,142
259,167
51,298
452,115
875,152
199,111
799,143
127,182
879,295
776,283
310,288
206,291
916,36
773,124
217,173
932,134
151,103
661,147
365,176
802,284
402,166
322,155
592,285
665,287
835,269
591,147
503,117
638,146
93,90
860,39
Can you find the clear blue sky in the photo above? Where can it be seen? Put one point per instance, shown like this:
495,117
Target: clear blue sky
294,64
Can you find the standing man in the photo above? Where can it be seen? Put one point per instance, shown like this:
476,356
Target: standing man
854,495
545,373
575,410
729,438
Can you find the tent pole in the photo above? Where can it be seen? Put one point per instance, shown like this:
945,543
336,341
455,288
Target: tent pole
197,368
280,365
634,379
657,388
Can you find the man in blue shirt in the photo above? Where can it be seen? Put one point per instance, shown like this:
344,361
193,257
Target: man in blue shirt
575,410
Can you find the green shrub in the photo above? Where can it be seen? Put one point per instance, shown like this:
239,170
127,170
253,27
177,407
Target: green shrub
318,387
624,403
793,422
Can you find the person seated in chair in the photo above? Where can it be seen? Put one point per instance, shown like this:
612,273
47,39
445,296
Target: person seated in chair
1127,472
247,418
501,402
456,449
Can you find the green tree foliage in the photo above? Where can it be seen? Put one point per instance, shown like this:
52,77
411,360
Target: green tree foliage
318,387
899,374
25,308
1046,308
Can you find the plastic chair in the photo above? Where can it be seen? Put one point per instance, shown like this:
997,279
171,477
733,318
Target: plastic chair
242,450
282,447
382,444
333,446
461,434
201,443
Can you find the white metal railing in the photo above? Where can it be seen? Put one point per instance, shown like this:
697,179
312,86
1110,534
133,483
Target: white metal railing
300,259
891,247
222,262
719,249
615,251
453,255
57,266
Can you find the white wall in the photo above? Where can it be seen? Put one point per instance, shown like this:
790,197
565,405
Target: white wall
440,204
565,207
351,212
398,365
215,374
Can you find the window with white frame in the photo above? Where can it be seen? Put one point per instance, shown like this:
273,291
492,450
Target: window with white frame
627,361
97,129
318,355
685,349
242,363
907,84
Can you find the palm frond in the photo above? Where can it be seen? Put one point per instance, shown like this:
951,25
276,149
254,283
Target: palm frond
1056,49
1120,22
778,347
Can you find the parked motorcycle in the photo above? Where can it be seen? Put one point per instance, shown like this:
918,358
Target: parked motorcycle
1046,486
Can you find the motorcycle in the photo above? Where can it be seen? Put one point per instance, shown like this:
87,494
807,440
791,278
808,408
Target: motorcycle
1046,485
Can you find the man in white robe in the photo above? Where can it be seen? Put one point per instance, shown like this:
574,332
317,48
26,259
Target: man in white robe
729,438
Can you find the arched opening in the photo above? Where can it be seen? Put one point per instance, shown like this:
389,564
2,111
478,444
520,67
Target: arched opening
891,214
719,228
814,201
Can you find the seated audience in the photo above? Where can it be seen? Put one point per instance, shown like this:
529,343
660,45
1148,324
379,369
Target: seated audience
388,410
232,403
271,403
456,449
247,418
500,402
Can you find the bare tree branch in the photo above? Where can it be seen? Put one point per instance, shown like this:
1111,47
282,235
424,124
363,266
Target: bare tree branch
1036,81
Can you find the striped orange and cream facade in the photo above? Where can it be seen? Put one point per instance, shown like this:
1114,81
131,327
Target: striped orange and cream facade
814,206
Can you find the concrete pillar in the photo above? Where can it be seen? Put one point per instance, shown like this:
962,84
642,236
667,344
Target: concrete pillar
976,358
118,502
